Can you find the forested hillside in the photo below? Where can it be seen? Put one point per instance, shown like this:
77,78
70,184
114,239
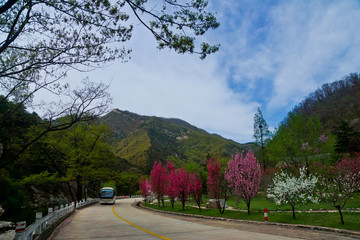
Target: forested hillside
142,140
322,128
334,102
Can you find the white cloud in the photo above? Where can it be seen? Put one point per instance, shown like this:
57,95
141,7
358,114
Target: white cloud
279,53
166,84
272,55
312,41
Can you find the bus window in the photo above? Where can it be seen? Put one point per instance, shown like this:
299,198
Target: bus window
107,195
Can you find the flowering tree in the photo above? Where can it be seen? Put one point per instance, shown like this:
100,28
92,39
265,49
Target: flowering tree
170,167
244,175
213,183
216,184
338,188
158,178
172,189
196,188
291,189
350,166
182,185
145,187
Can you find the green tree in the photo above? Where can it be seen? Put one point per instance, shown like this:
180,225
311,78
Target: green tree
43,40
79,157
262,136
127,183
299,142
347,138
86,103
15,123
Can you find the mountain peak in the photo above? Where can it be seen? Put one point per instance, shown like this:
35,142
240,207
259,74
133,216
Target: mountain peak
142,140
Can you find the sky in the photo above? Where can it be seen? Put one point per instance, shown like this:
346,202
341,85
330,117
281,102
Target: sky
273,54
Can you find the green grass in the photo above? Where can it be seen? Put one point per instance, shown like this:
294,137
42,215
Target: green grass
351,219
260,202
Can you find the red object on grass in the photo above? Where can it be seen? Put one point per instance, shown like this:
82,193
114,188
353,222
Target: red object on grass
265,215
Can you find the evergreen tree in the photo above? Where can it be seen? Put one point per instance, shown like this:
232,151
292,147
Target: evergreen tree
347,139
262,135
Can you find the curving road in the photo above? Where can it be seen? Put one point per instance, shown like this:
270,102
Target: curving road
123,221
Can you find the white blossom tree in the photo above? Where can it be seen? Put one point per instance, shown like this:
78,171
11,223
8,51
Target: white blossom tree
336,190
289,189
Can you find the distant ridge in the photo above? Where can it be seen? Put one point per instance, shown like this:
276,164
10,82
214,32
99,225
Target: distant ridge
142,140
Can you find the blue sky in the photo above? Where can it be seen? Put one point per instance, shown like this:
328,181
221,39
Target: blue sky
273,54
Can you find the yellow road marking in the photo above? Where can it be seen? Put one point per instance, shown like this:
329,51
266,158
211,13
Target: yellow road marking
142,229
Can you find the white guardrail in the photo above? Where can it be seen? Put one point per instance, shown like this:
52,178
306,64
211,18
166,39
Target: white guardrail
42,223
129,196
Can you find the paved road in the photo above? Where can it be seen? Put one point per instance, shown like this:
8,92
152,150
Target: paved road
125,222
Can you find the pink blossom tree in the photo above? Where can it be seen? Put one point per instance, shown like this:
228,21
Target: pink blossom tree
244,176
145,187
196,188
172,189
216,184
213,183
183,185
158,178
170,167
350,166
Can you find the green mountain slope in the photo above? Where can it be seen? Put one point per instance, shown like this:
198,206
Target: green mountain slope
337,107
334,102
142,140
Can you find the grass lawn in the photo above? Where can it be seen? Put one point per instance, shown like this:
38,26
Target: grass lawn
351,219
260,202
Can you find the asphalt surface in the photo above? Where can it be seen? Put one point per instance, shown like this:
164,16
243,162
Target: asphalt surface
123,221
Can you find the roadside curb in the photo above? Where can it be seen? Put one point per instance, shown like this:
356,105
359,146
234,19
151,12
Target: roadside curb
318,228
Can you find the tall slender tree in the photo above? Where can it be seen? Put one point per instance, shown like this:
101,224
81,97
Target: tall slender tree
262,135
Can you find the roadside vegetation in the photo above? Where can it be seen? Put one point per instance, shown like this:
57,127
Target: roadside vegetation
305,172
304,164
307,214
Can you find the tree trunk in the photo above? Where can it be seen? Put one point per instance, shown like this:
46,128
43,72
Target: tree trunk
248,207
85,192
78,188
199,204
341,215
293,211
183,200
71,193
218,205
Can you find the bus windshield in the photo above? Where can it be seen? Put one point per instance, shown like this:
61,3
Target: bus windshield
107,193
